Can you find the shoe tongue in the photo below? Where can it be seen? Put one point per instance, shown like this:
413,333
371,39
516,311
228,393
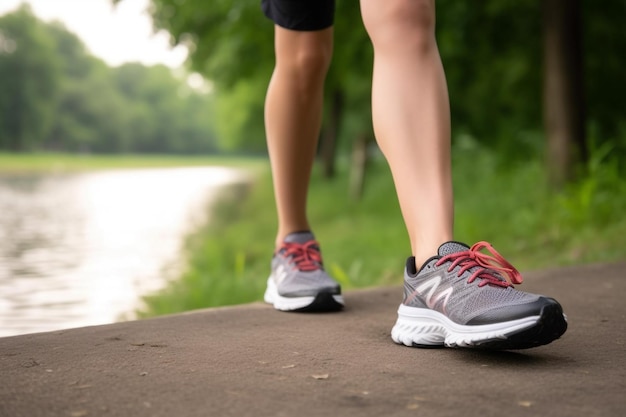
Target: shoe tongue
451,247
299,237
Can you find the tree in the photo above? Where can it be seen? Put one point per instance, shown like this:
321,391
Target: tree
231,43
55,96
29,80
348,92
159,104
604,41
492,53
564,102
74,127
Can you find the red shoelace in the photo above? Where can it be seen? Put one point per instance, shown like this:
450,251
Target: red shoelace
305,256
488,266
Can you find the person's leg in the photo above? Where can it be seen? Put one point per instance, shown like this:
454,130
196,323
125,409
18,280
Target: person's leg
412,117
460,297
293,112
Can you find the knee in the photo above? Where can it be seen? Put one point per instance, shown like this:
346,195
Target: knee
312,63
307,65
400,23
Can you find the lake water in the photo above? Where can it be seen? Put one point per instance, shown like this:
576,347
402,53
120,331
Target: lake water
82,249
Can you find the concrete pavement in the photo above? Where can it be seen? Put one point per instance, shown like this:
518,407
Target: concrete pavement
253,361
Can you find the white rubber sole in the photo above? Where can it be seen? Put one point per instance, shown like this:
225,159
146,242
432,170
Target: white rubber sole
428,328
293,303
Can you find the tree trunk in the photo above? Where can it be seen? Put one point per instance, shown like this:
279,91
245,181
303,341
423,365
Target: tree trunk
358,166
328,140
564,107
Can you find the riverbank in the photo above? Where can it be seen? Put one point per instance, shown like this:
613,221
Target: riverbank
83,246
254,361
364,242
46,163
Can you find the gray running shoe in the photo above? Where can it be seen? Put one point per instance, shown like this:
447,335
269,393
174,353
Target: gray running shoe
460,298
298,281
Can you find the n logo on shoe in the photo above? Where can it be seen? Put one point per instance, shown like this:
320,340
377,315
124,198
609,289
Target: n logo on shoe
428,290
281,274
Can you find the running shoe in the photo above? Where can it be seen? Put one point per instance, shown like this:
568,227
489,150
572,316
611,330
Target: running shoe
298,281
460,298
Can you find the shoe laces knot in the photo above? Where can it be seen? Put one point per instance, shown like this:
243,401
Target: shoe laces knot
305,256
487,267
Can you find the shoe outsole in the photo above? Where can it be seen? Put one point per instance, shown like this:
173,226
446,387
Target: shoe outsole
323,303
425,328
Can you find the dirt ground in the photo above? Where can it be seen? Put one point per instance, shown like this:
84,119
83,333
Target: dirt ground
254,361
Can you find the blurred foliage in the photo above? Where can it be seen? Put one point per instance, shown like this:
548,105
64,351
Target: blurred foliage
30,80
232,44
55,96
492,52
364,242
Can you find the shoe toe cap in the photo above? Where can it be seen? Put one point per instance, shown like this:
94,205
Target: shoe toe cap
515,312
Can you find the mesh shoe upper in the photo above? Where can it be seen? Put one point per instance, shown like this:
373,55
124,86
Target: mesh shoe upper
297,268
469,287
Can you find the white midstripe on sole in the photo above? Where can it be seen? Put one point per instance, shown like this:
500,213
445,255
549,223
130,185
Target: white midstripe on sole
289,303
421,326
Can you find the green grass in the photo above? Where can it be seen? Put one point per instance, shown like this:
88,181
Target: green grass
11,163
365,244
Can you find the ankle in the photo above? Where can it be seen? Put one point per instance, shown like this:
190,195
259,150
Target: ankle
300,235
426,250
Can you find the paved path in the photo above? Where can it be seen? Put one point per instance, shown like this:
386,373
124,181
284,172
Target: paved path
253,361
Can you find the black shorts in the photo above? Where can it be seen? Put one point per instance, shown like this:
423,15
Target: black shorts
303,15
